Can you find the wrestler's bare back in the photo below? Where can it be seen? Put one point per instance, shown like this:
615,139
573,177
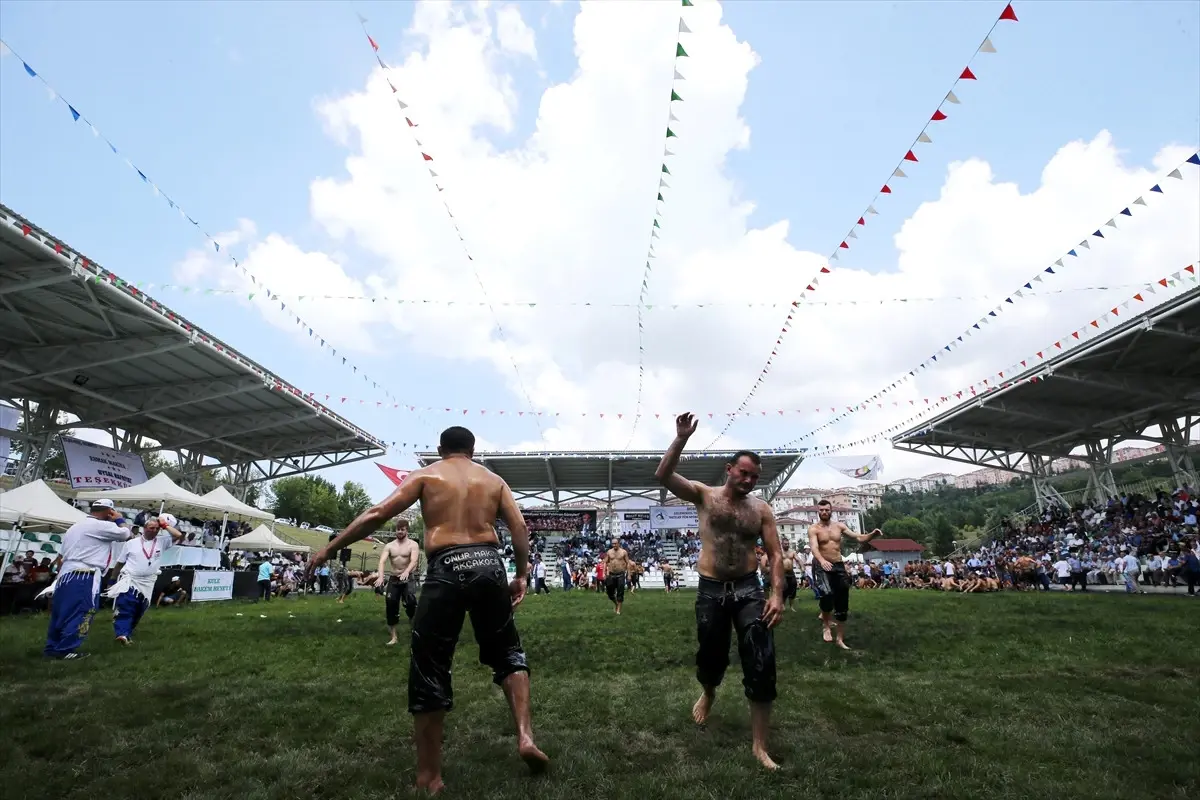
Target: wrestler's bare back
729,530
828,537
400,553
460,501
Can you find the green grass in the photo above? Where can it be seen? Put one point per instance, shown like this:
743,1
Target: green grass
983,696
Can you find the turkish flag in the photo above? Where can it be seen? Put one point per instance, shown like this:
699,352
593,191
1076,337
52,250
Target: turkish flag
394,475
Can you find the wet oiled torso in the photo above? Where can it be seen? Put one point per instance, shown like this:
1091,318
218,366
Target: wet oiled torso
459,502
729,529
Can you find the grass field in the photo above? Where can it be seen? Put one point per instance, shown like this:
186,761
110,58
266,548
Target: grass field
981,696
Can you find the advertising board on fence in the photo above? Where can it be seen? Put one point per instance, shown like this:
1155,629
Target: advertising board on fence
566,523
212,585
673,518
91,466
635,522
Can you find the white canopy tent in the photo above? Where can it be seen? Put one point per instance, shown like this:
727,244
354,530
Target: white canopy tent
235,508
34,504
37,504
261,538
159,489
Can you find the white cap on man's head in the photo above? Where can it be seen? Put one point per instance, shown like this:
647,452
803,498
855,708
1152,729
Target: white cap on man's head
103,502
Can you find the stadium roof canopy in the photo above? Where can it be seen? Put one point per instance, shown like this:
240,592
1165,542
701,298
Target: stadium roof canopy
75,337
1139,381
608,477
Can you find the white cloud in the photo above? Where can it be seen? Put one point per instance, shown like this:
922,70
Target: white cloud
514,35
566,215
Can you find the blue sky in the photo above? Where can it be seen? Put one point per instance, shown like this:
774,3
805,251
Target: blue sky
217,103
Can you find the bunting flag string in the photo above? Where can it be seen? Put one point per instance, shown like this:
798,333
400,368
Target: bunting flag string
909,157
659,199
260,287
411,301
428,162
1060,264
1001,379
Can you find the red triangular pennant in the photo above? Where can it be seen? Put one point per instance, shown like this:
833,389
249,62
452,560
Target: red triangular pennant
374,46
426,156
938,116
1138,297
909,156
1008,13
967,75
885,190
844,246
824,270
862,221
1162,282
1190,268
1095,324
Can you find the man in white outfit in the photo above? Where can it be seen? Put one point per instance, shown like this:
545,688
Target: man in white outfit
136,571
86,551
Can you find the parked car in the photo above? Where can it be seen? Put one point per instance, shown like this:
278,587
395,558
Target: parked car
325,529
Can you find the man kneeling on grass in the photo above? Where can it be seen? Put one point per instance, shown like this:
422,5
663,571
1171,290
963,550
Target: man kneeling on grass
173,595
460,501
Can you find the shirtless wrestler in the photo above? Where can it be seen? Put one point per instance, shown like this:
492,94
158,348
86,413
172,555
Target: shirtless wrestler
829,572
790,585
465,575
403,555
616,570
729,595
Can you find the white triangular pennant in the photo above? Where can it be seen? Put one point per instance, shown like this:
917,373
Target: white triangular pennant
951,98
1084,244
852,234
987,46
672,118
1139,202
899,173
1111,223
679,77
1175,174
683,28
871,210
924,138
1058,263
667,153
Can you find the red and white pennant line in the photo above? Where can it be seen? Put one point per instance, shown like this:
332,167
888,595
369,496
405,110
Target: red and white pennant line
909,157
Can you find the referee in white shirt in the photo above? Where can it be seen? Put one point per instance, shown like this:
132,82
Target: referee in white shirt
86,552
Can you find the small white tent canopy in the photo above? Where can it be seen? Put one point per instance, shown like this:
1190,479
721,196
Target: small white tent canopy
37,504
235,508
261,538
161,490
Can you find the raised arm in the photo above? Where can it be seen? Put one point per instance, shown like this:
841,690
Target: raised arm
861,538
681,487
373,518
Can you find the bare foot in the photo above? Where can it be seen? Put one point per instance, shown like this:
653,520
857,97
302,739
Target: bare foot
765,759
392,642
702,707
535,759
828,634
842,645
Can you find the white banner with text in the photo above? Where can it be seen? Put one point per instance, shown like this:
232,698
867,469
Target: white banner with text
91,466
673,518
212,585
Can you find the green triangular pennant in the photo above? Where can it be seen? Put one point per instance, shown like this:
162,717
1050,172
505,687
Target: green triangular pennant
671,133
665,170
656,224
687,3
675,96
660,198
680,52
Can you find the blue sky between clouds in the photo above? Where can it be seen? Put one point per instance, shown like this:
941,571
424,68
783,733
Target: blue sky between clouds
217,103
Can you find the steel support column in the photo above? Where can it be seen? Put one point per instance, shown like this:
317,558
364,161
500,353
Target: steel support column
1043,490
1175,437
39,425
1101,486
